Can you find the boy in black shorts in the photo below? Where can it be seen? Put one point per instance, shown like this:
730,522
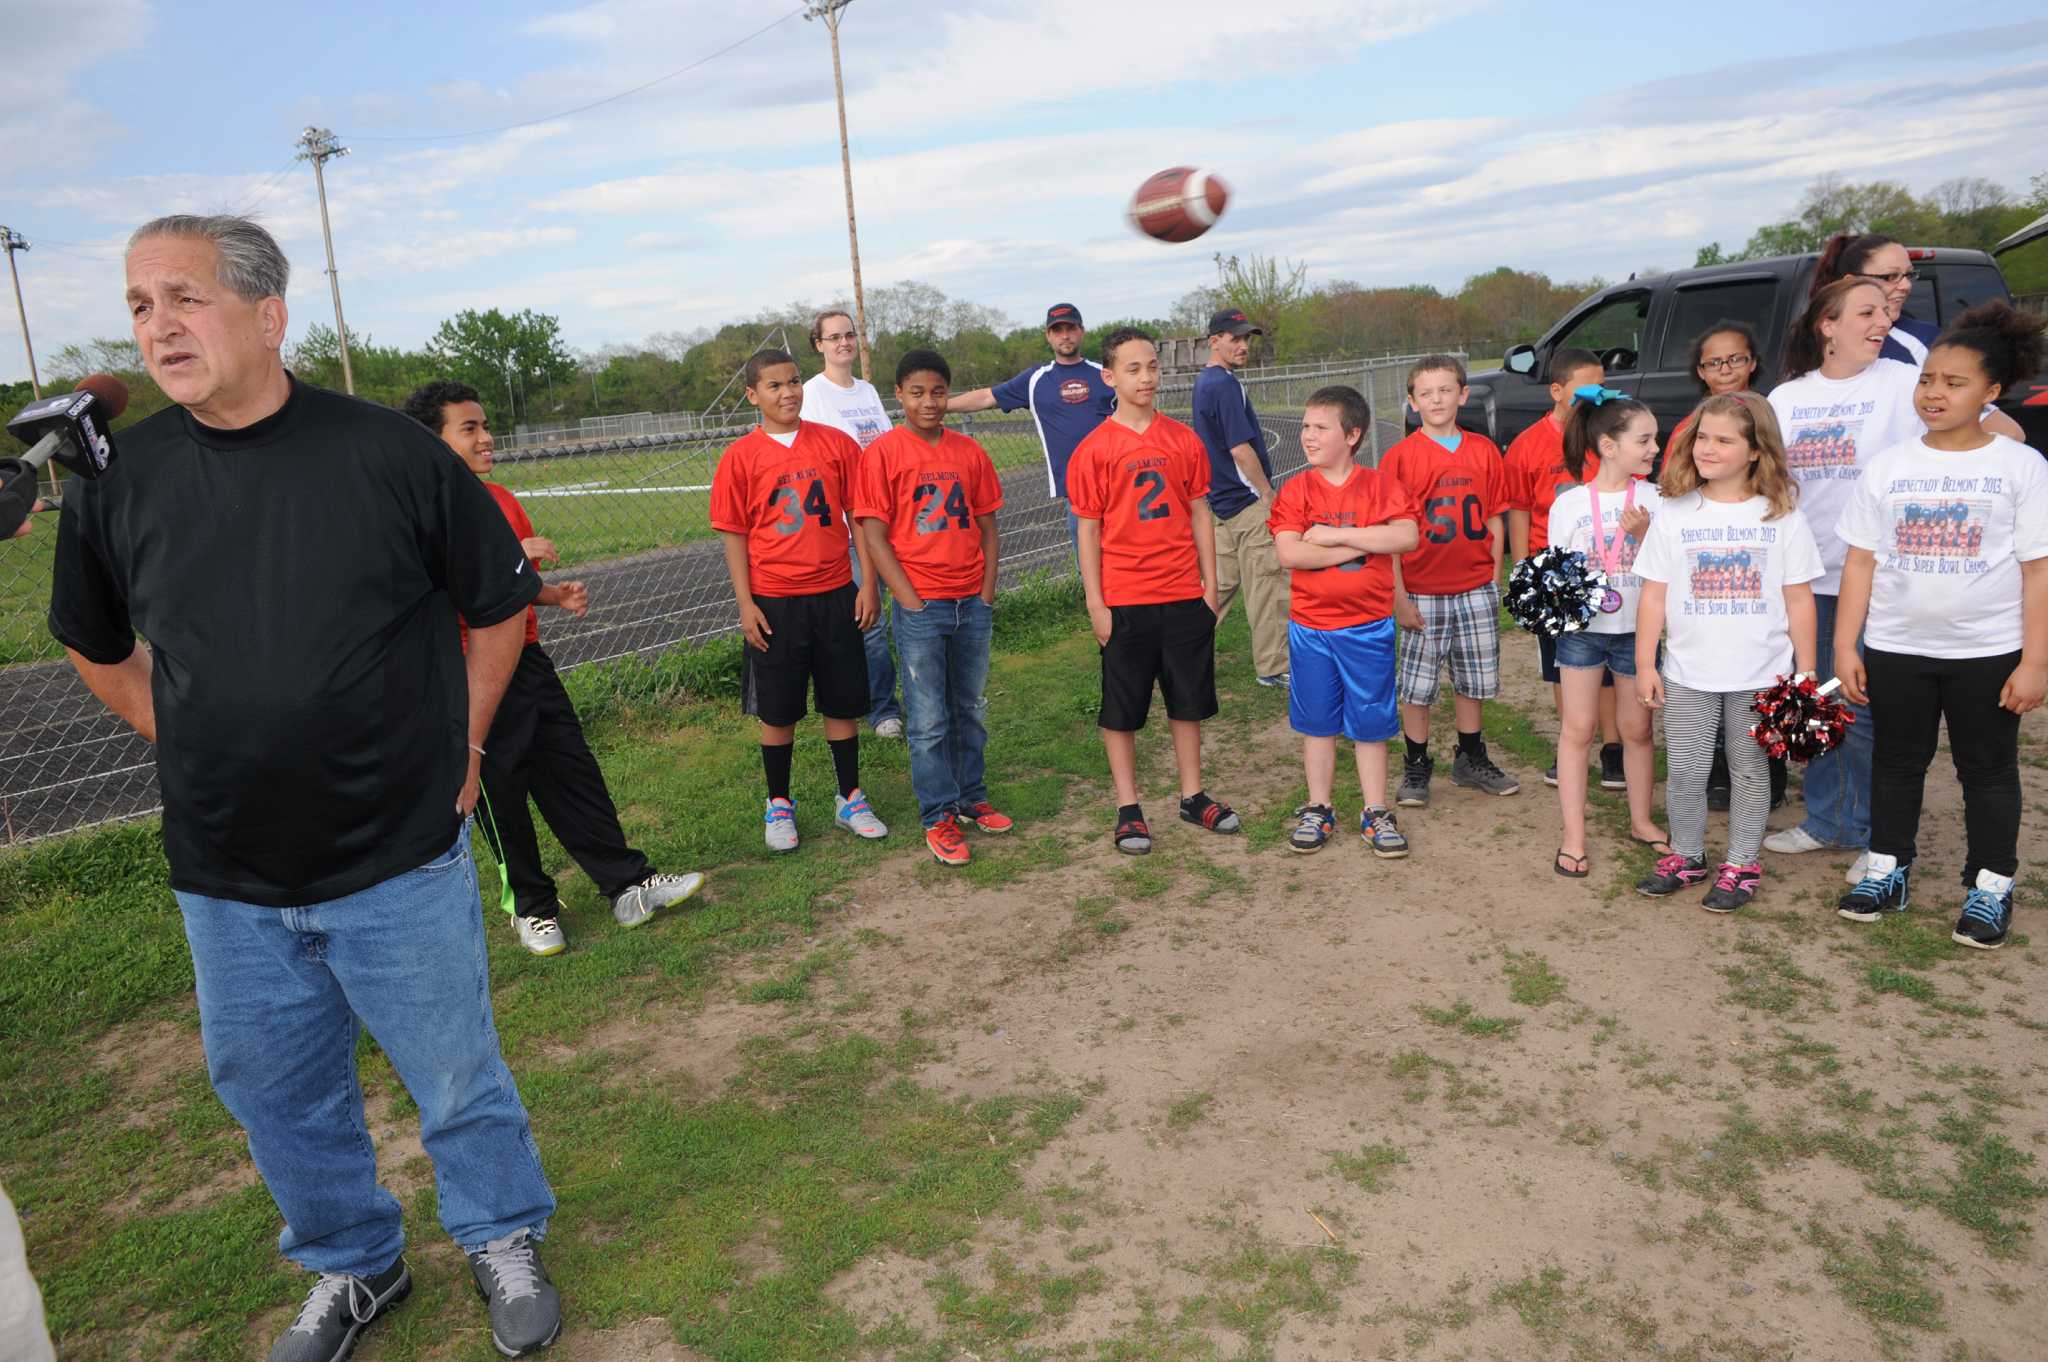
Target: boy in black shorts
780,499
1139,486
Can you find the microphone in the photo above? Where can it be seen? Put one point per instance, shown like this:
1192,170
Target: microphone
71,428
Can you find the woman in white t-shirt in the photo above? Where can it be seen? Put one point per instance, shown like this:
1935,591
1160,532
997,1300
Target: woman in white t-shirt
1842,404
1948,558
1605,519
1727,569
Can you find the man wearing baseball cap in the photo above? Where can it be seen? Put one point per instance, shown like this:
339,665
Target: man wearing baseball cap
1067,398
1241,479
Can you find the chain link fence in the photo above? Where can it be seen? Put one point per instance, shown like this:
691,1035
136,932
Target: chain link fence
628,507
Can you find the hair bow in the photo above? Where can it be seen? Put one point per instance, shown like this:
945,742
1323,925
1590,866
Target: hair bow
1597,395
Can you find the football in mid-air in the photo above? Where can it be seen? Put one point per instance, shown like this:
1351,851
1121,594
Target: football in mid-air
1178,204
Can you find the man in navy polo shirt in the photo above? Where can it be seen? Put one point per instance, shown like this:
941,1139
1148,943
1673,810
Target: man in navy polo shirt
1240,494
1067,398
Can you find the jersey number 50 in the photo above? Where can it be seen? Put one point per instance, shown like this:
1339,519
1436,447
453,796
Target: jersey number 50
1444,524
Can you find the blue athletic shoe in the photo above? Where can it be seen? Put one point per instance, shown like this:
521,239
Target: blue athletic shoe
1987,913
1882,891
1382,834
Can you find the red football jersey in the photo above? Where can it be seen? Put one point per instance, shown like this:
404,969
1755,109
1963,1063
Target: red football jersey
791,505
1139,487
1357,592
930,496
1455,491
515,515
1536,474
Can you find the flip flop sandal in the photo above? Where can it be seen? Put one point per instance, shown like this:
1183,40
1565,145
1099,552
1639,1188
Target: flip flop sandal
1558,864
1656,844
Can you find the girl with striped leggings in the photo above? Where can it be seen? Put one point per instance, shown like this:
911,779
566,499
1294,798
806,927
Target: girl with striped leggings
1727,571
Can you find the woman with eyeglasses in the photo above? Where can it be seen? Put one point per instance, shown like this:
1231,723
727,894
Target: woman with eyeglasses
1882,261
1724,359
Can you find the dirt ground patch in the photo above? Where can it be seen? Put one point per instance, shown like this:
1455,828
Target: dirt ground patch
1523,1115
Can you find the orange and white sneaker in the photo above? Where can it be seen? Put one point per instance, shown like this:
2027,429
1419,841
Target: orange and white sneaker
948,847
985,817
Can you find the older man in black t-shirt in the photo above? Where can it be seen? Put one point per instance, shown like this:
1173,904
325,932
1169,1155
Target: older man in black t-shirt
297,561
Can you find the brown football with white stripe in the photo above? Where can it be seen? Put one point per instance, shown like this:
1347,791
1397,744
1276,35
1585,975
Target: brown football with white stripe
1178,204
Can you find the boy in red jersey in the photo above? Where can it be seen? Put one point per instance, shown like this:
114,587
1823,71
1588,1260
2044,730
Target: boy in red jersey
536,746
780,500
1139,486
926,502
1335,526
1536,474
1447,591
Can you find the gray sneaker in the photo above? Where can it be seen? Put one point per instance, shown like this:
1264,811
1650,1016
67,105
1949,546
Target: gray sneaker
526,1310
638,902
1414,791
1477,772
336,1310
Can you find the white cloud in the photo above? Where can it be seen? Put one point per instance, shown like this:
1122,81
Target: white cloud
49,45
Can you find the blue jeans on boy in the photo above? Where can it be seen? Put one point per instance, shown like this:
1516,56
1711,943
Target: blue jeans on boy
1837,783
945,680
282,992
881,666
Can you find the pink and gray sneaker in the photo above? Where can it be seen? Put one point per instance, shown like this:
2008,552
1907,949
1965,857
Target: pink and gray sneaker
1671,874
1734,885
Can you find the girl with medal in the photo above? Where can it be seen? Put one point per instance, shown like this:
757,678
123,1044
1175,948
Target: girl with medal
1604,519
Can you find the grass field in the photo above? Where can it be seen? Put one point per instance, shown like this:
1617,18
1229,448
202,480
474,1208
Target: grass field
1220,1102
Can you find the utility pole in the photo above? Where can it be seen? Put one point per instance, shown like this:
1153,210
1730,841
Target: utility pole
319,146
12,241
830,11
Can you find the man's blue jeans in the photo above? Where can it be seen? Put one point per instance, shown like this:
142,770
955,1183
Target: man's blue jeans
1837,783
281,994
881,666
945,680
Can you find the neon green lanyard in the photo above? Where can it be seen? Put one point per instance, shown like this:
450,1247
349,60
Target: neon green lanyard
491,845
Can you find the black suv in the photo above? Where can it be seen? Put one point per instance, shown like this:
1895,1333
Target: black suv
1643,331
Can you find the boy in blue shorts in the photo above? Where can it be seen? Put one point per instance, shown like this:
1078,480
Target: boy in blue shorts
1336,525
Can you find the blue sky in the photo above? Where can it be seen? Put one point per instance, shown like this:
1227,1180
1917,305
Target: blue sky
1382,141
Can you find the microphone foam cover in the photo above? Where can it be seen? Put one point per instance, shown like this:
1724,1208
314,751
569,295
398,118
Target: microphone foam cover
111,391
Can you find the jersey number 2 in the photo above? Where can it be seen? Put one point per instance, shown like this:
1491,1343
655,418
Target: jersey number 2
1152,501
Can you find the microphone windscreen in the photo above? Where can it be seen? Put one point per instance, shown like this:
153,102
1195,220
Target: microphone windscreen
111,391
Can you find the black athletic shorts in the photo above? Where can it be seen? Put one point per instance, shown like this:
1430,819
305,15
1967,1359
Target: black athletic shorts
814,646
1174,644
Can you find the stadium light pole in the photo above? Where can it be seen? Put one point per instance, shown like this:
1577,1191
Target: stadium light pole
830,11
12,241
319,146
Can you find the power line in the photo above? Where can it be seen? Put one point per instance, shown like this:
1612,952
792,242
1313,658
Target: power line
595,103
269,187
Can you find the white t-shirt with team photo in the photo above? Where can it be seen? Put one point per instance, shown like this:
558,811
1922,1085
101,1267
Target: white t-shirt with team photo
1571,527
1832,427
856,410
1950,531
1725,570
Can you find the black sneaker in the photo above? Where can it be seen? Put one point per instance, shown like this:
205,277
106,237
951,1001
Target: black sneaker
1550,774
1475,771
337,1309
1880,893
1671,874
1987,913
526,1310
1612,776
1415,774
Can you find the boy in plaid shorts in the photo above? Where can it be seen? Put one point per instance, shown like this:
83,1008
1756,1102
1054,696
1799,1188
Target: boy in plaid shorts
1446,592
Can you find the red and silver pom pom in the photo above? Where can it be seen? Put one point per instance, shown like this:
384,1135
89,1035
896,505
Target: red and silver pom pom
1800,718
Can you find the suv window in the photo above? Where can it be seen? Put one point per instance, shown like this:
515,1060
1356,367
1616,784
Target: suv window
1964,287
1616,324
1696,309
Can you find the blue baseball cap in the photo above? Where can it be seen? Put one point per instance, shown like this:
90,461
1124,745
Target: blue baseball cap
1062,312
